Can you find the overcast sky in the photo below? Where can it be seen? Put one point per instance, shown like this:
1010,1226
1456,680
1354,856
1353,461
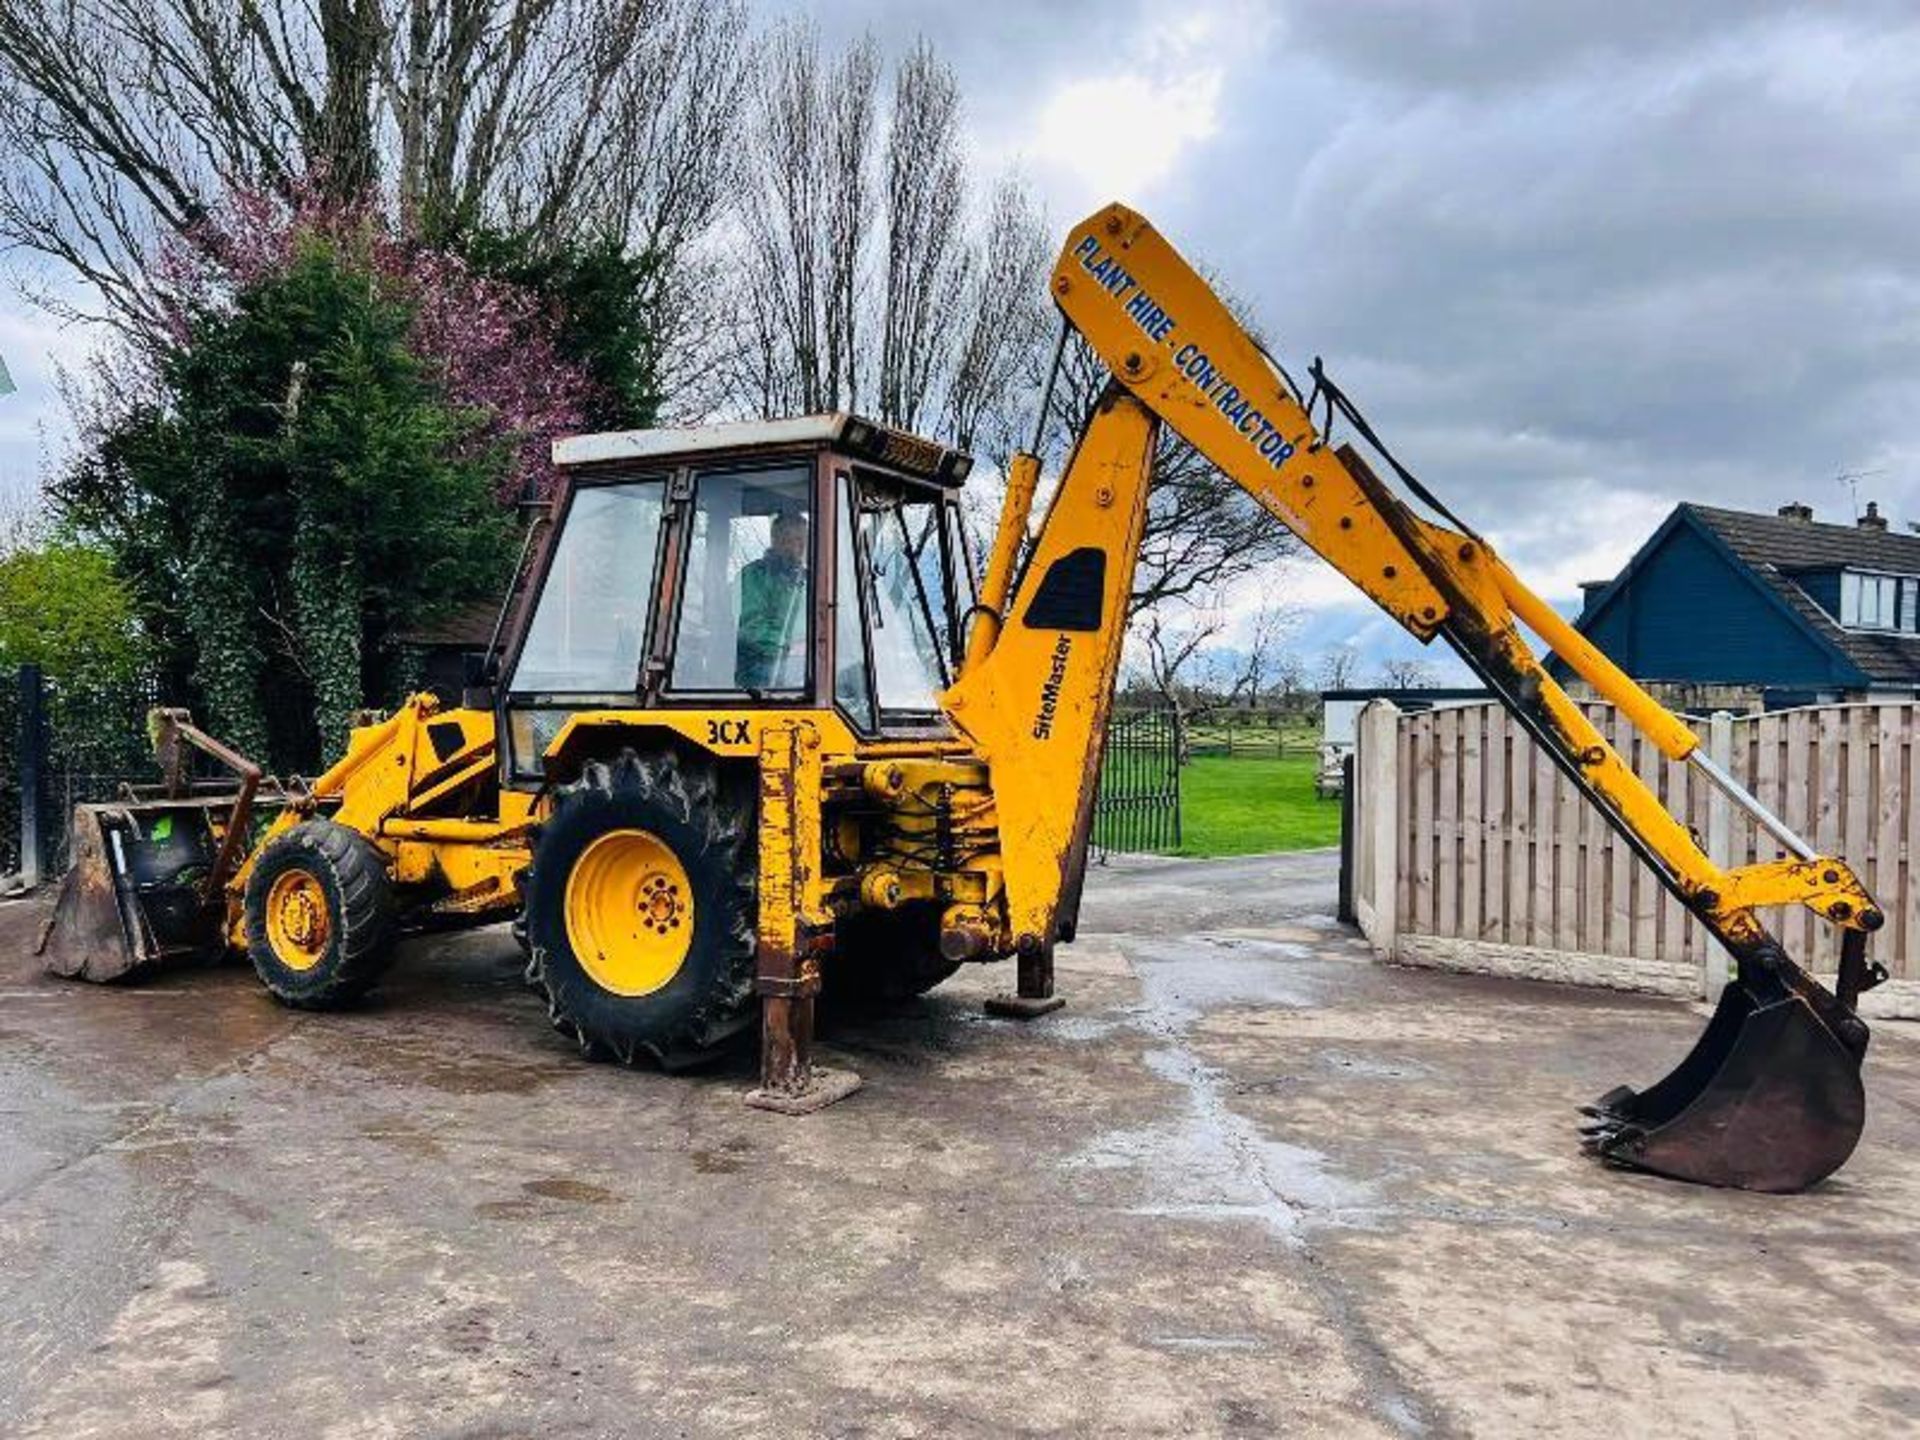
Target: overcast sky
1578,262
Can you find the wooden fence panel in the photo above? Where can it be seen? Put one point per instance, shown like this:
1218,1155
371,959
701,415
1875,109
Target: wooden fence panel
1496,847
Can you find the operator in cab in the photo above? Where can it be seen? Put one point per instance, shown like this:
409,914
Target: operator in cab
772,591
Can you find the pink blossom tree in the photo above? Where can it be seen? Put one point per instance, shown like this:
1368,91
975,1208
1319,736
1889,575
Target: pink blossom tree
492,345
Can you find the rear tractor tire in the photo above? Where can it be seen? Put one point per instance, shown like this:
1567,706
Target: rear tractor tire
640,911
320,916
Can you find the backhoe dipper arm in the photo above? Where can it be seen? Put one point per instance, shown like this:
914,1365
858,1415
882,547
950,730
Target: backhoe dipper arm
1179,357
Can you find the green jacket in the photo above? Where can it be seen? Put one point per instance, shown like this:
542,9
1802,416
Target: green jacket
772,592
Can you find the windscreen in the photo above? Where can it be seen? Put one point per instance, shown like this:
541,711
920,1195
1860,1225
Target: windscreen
591,620
908,598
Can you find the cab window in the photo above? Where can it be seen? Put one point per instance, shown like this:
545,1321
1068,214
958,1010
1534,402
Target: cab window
747,592
591,621
902,559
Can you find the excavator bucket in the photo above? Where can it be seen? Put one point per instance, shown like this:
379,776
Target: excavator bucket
146,877
1768,1099
133,897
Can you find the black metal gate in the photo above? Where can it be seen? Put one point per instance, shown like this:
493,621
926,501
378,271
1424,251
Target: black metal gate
60,747
1137,808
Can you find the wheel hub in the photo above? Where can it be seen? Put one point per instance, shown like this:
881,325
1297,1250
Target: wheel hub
298,925
629,912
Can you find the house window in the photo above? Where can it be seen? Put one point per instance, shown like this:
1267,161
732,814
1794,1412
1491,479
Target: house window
1879,602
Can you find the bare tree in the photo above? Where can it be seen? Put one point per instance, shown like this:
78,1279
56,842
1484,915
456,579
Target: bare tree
805,223
864,279
926,260
124,120
1001,322
1405,674
1339,668
23,519
1169,650
1243,675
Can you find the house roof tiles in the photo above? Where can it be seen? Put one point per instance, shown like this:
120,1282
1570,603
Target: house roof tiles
1777,549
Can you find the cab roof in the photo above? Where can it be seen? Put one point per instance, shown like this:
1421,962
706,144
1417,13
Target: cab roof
837,430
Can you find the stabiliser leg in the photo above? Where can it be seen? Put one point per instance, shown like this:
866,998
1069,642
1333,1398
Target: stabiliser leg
1033,995
791,928
789,1082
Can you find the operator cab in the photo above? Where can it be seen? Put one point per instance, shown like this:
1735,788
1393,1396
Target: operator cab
814,563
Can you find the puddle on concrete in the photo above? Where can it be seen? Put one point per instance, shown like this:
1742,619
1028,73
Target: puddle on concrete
1083,1028
1213,1163
1182,980
527,1206
1207,1342
1208,1161
1368,1067
559,1187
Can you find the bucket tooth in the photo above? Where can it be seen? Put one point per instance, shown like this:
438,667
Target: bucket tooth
1768,1099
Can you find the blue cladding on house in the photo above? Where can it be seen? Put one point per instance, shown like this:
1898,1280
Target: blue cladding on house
1689,613
1824,588
1724,597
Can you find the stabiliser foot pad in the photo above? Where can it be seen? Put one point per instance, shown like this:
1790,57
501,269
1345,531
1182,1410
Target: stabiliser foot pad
826,1087
1022,1007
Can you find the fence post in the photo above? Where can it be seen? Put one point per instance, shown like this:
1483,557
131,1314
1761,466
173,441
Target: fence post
1377,823
1343,910
1713,960
32,775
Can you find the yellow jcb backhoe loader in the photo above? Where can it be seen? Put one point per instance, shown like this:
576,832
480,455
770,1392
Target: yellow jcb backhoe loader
754,732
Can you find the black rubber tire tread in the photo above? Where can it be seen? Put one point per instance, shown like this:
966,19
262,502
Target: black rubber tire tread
709,1001
360,906
867,965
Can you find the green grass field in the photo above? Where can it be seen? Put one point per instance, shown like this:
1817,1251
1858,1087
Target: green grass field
1247,807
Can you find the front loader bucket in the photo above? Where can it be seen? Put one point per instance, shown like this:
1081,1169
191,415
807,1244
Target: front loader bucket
132,899
1768,1099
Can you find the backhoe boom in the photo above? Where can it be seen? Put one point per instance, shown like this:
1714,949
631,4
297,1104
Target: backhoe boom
1179,358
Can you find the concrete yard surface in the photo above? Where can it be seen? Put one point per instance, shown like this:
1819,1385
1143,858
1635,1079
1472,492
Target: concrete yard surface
1247,1183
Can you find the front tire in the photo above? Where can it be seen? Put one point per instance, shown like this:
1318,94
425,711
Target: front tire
320,916
640,911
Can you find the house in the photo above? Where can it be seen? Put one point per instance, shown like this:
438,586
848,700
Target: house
446,654
1724,609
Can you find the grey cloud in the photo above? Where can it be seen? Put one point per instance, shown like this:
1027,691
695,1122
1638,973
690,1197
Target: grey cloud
1579,262
1689,273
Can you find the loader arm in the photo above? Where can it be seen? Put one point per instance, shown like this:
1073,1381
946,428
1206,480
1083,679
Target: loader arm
1035,693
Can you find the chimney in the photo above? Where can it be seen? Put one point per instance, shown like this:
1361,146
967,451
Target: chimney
1590,592
1873,519
1794,510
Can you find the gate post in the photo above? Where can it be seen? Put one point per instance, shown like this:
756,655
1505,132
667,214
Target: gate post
33,774
1343,909
1376,905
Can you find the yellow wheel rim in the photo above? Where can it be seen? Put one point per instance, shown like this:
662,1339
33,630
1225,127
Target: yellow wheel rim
299,925
629,912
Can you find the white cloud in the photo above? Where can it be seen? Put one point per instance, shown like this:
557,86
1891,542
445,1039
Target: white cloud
1118,135
1122,131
